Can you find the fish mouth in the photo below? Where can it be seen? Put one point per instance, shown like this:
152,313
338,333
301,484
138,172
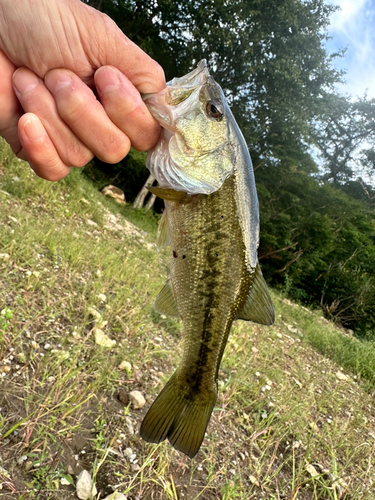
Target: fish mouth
161,104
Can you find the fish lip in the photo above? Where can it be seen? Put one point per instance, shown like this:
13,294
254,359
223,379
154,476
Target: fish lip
196,77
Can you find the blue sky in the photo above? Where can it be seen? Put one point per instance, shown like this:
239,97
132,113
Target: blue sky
354,27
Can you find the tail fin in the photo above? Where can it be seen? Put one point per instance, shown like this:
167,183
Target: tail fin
181,416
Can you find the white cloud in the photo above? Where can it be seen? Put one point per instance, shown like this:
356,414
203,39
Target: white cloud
353,27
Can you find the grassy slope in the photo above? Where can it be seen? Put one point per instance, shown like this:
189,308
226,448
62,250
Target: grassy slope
288,424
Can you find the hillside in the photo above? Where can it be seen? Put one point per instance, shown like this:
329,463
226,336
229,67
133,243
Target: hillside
295,417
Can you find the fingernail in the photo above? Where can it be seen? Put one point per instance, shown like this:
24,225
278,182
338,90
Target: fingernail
24,81
106,80
57,80
34,130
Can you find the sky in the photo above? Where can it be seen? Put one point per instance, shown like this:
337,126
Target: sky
353,27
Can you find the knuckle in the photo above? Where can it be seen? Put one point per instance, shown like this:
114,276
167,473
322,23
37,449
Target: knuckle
79,159
115,148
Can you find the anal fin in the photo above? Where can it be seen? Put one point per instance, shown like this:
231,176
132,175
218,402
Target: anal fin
258,306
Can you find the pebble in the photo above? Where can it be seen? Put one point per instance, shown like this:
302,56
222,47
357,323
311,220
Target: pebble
232,471
137,399
135,467
254,480
128,452
129,425
102,339
123,396
91,223
125,365
22,459
341,376
84,486
116,496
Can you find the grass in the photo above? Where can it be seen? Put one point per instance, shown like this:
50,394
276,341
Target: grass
295,416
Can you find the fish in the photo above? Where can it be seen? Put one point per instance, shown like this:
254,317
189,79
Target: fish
211,220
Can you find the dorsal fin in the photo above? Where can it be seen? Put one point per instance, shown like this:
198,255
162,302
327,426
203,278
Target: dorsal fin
165,302
258,306
163,237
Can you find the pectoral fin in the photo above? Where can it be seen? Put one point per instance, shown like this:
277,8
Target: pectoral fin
170,194
258,306
162,237
165,302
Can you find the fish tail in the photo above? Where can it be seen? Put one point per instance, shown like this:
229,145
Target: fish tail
180,415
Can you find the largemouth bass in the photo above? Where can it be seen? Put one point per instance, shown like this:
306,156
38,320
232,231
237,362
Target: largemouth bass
211,219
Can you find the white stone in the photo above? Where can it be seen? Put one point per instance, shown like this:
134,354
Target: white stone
102,339
115,193
85,488
125,365
116,496
137,399
341,376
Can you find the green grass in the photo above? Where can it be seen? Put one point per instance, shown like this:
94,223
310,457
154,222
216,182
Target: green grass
294,418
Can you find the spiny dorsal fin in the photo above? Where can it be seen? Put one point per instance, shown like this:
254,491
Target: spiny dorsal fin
179,414
170,194
162,237
165,302
258,306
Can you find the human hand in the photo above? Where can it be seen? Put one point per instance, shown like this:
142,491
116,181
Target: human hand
64,124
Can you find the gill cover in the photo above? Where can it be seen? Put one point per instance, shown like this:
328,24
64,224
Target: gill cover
194,153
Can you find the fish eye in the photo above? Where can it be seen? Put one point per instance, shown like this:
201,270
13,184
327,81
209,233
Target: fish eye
215,109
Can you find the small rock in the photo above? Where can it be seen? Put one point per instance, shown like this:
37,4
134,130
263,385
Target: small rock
115,193
135,467
102,339
125,365
22,459
232,471
91,223
116,496
4,256
85,488
341,376
254,350
102,297
129,425
254,480
137,399
128,452
64,481
311,470
123,396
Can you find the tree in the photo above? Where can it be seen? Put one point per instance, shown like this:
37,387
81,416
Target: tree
346,138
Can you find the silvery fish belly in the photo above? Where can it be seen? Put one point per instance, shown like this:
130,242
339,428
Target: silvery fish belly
211,220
